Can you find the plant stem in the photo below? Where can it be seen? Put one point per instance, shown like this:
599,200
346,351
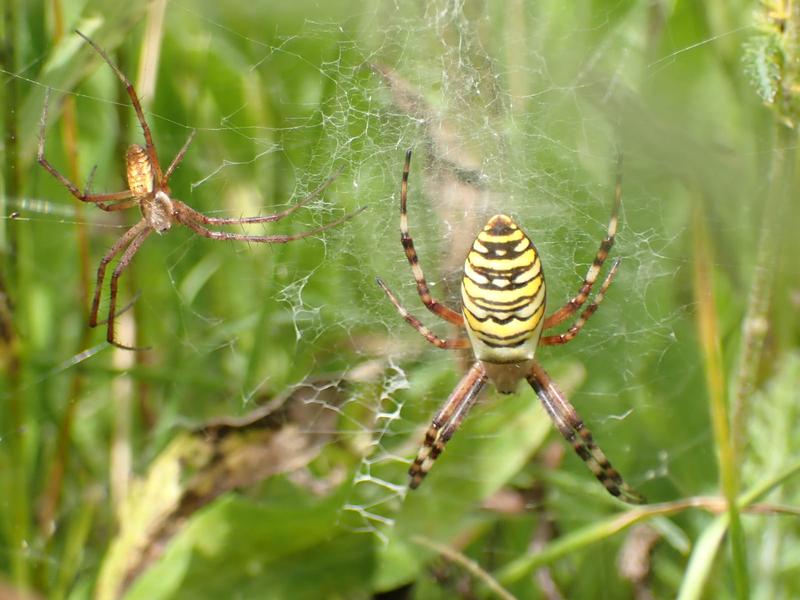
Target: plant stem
715,380
756,321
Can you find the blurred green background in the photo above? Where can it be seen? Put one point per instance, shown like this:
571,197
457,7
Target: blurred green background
150,475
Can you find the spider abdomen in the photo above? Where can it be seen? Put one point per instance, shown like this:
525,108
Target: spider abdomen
503,294
139,170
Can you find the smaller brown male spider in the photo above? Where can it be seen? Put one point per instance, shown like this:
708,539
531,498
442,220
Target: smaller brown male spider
149,190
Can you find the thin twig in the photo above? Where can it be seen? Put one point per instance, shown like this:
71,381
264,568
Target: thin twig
469,564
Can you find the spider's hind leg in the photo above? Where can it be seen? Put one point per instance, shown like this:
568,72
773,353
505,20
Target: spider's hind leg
574,304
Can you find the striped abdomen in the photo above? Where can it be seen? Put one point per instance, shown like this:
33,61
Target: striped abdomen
503,294
157,208
139,171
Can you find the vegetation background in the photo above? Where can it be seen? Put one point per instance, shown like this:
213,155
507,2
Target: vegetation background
259,449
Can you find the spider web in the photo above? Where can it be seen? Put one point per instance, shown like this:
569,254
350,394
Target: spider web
483,143
486,133
499,122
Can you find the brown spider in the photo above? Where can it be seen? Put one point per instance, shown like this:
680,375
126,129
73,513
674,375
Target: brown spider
149,190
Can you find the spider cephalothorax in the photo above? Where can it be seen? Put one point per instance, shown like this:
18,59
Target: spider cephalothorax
503,304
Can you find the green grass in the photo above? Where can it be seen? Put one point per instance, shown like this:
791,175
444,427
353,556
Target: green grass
152,475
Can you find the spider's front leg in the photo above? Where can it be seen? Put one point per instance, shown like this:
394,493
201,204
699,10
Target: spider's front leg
446,422
130,242
571,426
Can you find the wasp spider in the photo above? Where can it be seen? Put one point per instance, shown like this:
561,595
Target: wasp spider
503,304
148,188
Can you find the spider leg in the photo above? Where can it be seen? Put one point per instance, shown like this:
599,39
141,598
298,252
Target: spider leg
446,422
119,205
126,239
576,302
125,308
569,335
178,158
123,263
270,218
448,344
193,219
115,204
423,290
137,106
98,199
571,426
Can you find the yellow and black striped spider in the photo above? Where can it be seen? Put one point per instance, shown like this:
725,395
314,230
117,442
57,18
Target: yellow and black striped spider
503,304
